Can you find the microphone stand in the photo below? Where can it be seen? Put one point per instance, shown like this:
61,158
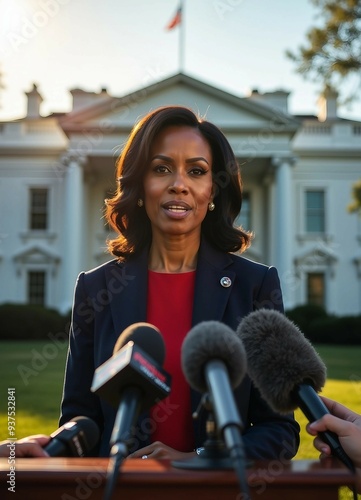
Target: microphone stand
117,454
214,454
128,410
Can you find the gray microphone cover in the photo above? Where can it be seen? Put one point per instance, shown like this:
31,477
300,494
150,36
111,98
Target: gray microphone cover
207,341
279,358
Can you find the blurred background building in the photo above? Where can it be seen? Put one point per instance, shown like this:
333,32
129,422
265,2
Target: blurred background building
56,171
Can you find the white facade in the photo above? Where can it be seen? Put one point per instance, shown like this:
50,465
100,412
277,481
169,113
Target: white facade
287,163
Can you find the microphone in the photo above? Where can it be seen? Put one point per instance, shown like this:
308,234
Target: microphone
286,369
214,360
132,380
73,439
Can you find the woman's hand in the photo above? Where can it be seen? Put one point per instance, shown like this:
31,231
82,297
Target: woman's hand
160,450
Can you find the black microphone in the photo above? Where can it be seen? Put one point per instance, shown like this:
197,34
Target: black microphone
132,380
73,439
286,369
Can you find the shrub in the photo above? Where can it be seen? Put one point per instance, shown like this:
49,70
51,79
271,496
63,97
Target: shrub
29,322
304,316
321,328
345,330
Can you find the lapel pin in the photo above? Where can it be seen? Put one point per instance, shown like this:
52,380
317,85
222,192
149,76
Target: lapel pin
226,282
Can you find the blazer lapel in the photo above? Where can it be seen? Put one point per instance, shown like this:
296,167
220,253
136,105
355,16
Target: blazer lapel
213,285
130,304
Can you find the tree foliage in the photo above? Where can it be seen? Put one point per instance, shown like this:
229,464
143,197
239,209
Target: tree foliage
355,205
333,50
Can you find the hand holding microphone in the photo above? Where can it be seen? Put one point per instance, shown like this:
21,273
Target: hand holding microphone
73,439
286,369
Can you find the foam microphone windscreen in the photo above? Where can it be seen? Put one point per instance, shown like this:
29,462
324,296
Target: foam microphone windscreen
212,340
147,337
279,358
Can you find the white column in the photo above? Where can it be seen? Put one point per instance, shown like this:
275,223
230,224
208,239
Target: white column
285,220
73,229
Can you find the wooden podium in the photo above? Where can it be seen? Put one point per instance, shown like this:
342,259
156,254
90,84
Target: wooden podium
84,479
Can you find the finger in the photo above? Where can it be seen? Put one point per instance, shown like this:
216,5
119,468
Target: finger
140,453
322,447
338,409
30,450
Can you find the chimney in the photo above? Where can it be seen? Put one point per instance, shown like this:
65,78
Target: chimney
83,99
34,102
277,99
327,105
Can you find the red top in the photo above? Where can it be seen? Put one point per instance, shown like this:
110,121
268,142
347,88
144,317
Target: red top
169,308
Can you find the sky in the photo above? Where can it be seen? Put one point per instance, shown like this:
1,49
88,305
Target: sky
123,45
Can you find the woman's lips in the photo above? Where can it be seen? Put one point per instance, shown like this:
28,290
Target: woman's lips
176,209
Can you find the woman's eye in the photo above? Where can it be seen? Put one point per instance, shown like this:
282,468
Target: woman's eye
198,171
161,169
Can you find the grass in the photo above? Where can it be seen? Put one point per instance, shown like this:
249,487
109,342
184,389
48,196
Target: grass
36,369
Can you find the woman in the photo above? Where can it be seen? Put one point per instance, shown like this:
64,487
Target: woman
179,192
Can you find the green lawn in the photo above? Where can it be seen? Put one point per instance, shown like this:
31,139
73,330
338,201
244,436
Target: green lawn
35,369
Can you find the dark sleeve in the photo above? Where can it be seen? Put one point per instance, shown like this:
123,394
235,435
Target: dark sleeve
77,399
269,435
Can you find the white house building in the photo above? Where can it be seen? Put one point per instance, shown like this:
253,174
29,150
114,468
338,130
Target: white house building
55,172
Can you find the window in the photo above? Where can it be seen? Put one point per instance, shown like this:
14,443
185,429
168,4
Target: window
38,209
316,289
36,287
315,211
244,217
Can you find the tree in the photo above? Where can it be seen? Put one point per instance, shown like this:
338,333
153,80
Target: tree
355,205
333,50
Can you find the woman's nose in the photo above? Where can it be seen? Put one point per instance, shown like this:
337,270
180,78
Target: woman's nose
179,183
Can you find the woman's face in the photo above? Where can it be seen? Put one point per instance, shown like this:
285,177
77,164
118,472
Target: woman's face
178,181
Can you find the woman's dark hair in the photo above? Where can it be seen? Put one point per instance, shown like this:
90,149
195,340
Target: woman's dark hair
126,217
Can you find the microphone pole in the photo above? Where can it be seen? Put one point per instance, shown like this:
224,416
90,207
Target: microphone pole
214,362
227,418
129,408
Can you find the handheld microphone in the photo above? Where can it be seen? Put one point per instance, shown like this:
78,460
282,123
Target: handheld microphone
73,439
286,369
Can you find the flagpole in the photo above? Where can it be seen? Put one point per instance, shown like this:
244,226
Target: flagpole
181,37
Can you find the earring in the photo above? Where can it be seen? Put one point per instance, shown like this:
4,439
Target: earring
140,202
211,206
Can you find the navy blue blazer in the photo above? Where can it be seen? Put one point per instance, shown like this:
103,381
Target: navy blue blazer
113,296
